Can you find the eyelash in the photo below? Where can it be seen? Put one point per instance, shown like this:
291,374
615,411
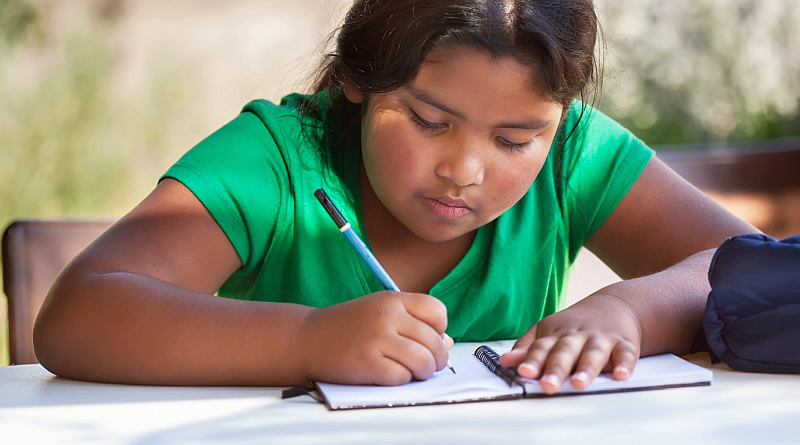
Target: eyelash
516,147
423,124
432,127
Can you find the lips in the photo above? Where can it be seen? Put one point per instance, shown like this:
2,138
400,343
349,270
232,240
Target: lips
447,208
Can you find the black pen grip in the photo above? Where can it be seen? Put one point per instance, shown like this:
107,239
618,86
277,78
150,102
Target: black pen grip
330,208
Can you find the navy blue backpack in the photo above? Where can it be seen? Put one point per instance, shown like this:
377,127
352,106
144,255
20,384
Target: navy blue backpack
752,319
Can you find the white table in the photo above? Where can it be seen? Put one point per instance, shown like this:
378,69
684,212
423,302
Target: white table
738,408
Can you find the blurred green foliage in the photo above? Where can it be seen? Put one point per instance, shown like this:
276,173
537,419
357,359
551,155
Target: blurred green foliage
69,147
17,19
55,134
700,71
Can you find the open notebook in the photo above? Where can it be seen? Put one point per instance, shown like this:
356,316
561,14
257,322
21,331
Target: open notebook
479,377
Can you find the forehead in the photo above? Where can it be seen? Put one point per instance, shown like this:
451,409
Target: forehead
472,79
458,62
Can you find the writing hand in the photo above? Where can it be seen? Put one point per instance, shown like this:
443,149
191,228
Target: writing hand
598,333
385,338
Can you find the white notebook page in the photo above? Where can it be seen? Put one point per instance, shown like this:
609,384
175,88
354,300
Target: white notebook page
474,382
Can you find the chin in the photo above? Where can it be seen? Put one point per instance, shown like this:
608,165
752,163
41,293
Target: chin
440,233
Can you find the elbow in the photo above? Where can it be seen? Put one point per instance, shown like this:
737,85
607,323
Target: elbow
45,344
54,332
49,338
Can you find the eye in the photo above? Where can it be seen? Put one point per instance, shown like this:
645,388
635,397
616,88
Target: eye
513,145
423,124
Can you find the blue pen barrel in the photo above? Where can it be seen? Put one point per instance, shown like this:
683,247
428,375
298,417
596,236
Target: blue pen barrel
370,259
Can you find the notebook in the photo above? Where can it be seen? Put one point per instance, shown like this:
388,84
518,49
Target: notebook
480,377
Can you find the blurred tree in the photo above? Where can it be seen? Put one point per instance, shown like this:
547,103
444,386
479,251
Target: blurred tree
695,71
18,18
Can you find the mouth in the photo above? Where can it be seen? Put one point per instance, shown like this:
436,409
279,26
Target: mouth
447,208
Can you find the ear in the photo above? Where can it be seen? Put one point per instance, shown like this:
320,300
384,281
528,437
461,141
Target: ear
352,94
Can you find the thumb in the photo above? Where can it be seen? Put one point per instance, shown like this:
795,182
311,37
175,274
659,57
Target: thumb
427,309
520,350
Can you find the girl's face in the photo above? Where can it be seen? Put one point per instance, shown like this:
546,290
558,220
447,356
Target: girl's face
457,146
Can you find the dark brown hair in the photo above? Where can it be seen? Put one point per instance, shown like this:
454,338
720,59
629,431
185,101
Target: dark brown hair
382,44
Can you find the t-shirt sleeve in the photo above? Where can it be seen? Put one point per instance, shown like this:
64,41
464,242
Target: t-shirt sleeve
239,175
601,161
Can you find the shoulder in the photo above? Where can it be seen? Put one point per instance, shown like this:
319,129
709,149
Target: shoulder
246,173
264,137
589,134
595,162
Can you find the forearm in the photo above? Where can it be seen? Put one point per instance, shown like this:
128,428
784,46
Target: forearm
131,328
669,304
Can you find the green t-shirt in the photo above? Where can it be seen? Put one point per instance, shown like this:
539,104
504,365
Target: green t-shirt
257,176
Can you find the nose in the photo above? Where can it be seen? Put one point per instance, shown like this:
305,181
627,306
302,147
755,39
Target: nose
463,166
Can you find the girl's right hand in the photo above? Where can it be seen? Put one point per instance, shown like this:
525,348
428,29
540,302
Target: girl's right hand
384,338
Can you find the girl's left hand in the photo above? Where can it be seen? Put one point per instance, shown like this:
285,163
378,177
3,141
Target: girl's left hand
600,332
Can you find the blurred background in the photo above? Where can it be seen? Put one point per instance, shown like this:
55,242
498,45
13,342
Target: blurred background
99,97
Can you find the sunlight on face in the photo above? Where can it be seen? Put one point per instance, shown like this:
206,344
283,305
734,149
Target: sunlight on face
459,144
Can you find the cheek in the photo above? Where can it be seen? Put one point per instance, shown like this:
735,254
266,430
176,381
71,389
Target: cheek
515,180
391,152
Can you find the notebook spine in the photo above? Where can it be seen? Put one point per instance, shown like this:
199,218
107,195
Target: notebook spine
491,360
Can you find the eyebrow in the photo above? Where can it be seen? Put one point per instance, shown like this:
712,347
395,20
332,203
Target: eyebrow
423,96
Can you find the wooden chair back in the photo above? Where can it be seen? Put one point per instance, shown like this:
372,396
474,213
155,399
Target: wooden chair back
34,252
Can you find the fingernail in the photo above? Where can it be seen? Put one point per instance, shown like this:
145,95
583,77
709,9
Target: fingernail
529,370
581,377
622,372
550,379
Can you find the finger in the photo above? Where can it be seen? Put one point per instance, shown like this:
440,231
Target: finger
448,341
560,362
518,353
427,309
416,358
386,371
594,357
419,332
527,338
624,357
535,358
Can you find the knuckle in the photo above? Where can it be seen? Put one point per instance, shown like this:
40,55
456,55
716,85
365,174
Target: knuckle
398,378
537,355
426,371
543,343
626,354
422,365
593,355
439,309
626,346
435,342
555,369
407,298
567,346
599,341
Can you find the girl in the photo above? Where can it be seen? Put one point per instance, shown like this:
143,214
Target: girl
449,133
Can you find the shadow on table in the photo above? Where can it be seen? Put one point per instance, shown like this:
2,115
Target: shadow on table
50,390
616,418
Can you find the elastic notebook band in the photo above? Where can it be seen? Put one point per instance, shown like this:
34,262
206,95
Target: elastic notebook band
305,390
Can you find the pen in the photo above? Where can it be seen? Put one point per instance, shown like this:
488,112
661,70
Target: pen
360,247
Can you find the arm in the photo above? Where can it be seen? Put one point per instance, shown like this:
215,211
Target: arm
660,238
137,306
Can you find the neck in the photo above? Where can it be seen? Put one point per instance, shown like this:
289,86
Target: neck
415,264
